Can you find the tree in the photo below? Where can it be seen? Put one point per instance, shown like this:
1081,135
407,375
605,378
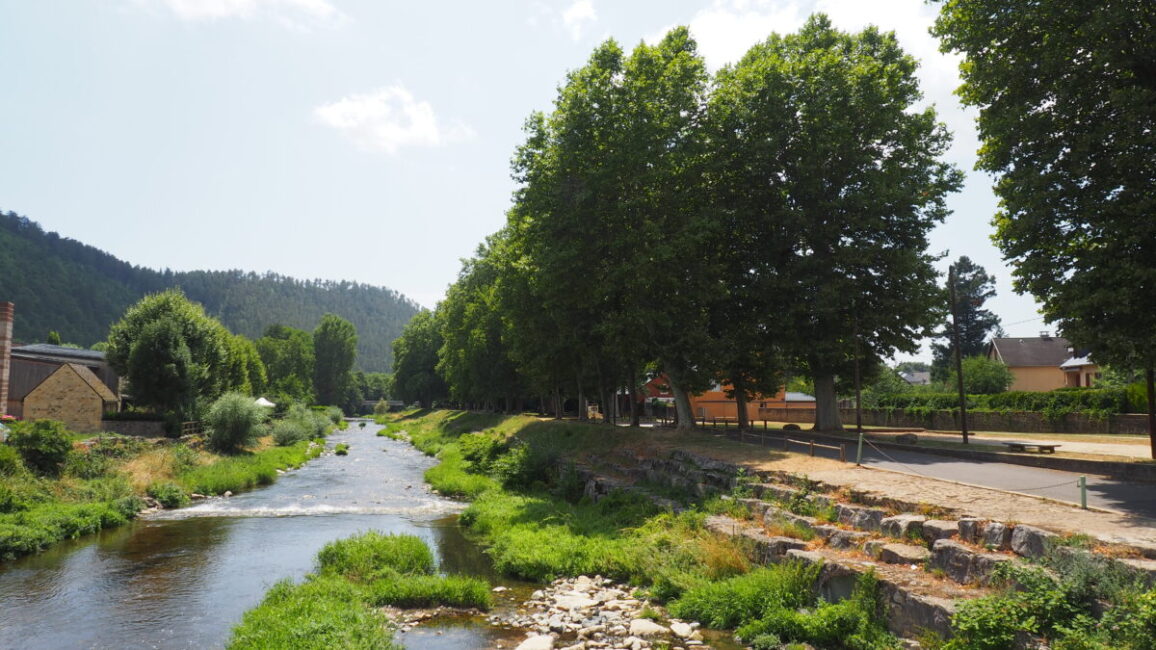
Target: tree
246,370
973,287
53,338
983,376
1067,116
334,349
415,359
857,184
234,422
174,356
288,356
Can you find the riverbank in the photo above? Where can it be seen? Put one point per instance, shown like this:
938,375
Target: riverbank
106,481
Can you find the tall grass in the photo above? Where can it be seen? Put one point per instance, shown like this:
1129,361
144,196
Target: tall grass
372,555
242,472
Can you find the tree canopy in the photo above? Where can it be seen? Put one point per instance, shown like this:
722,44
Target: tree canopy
334,350
1067,118
973,288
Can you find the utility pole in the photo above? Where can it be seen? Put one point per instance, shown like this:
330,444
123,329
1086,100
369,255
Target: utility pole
958,352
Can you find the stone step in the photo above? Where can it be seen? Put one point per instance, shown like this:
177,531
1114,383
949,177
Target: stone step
904,554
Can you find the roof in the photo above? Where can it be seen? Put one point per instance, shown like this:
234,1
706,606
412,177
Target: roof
1077,362
1032,351
916,377
58,353
93,382
798,397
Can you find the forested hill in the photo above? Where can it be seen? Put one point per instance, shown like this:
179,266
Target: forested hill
77,290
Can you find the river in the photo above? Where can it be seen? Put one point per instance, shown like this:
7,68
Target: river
183,578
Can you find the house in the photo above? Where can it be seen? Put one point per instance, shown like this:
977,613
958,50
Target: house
714,403
916,377
1043,363
54,382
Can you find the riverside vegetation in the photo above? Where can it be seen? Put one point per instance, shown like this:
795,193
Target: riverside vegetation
539,526
528,508
60,485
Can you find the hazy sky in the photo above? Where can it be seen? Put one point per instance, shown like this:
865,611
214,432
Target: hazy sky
364,140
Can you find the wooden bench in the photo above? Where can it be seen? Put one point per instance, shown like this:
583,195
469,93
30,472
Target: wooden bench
1042,447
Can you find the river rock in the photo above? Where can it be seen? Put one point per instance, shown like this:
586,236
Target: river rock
681,630
540,642
646,627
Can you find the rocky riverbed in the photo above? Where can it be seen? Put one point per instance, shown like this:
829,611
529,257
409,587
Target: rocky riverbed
587,613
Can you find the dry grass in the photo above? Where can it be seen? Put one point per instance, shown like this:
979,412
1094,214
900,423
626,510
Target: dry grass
156,464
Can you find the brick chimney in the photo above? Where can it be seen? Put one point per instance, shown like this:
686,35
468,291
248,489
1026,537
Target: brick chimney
7,311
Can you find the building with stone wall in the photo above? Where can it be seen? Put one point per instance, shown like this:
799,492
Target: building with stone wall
73,395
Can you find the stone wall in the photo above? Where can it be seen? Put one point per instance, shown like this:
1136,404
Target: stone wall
64,396
1023,422
7,311
141,428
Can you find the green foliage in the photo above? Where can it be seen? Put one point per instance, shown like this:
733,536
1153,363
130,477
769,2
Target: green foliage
1057,402
372,555
43,444
289,432
246,471
334,350
322,613
415,358
430,591
983,376
735,601
36,527
973,287
449,477
1066,122
234,422
168,494
87,464
342,449
10,461
87,290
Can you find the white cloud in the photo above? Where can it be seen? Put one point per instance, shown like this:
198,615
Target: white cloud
388,120
577,15
296,14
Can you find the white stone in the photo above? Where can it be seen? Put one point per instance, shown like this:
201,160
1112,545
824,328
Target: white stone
646,627
541,642
574,601
681,630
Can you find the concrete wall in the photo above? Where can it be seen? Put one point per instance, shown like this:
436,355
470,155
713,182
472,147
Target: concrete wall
1133,424
64,396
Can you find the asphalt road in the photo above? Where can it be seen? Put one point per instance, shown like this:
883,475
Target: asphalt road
1137,499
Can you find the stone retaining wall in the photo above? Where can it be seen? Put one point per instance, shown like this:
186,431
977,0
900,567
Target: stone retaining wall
141,428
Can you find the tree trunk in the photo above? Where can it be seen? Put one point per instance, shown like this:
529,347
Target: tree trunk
1151,376
741,404
681,404
634,419
557,403
826,404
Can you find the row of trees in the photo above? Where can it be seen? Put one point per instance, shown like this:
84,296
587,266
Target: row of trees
177,359
772,219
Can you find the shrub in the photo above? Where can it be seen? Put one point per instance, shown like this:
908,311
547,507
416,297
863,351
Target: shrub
234,422
288,432
342,449
10,501
983,376
43,444
373,555
730,603
168,494
10,463
87,464
381,408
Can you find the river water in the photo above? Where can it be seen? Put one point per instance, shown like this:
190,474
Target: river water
183,578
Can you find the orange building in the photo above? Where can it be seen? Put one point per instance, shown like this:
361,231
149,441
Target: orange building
714,404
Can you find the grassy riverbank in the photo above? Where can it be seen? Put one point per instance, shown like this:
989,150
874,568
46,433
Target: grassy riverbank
103,483
337,606
528,508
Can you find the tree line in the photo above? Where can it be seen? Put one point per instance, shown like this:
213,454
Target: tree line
177,360
729,230
62,285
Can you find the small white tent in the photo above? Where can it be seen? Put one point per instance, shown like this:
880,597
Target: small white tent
261,401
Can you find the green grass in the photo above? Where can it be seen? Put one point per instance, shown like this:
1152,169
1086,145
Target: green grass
430,591
322,613
246,471
450,478
372,555
335,607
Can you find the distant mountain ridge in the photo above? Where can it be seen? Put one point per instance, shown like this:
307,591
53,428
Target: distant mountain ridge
78,290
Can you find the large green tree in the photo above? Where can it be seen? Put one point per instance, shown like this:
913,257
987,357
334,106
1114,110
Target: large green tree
334,350
1067,117
415,359
174,355
856,176
288,356
973,288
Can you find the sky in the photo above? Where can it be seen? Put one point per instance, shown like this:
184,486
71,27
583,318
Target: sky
364,140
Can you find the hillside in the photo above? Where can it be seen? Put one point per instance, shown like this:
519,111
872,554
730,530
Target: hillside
77,290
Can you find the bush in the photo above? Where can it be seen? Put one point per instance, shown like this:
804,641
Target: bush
983,376
10,463
87,464
43,444
342,449
289,432
234,422
168,494
373,555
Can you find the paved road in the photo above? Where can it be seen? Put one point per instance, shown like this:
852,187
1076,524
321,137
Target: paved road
1138,499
